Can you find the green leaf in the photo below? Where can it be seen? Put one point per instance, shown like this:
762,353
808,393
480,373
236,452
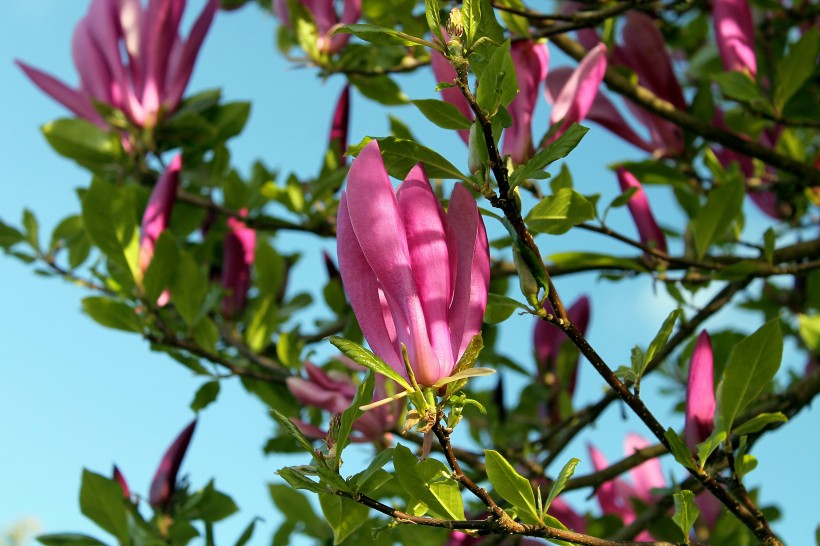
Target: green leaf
83,142
752,365
263,322
9,236
685,512
432,13
809,329
796,67
102,501
722,207
292,504
343,515
375,465
366,358
559,149
247,534
69,539
189,286
364,395
709,445
230,119
297,480
382,89
769,239
296,434
111,225
679,449
377,35
402,155
661,337
738,86
210,505
499,308
561,482
745,464
206,334
206,394
497,85
591,260
557,213
443,114
112,314
32,232
428,482
759,422
512,486
470,19
158,276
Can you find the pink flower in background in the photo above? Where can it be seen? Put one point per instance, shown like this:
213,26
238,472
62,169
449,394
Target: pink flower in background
735,35
237,258
120,479
165,478
563,512
157,214
531,61
578,91
648,230
615,496
131,58
414,274
334,391
326,19
445,73
700,414
339,127
547,340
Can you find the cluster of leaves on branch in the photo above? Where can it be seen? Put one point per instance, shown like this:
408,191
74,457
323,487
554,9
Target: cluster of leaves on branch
172,243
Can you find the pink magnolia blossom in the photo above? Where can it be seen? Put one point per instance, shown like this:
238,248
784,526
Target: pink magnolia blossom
734,33
326,19
334,391
547,340
157,214
237,258
339,127
531,61
700,414
415,275
563,512
577,95
615,496
165,478
648,230
120,479
445,73
131,58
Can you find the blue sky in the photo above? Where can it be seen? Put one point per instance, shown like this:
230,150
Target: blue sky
75,395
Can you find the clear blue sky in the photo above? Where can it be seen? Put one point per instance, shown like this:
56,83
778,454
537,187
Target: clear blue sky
75,395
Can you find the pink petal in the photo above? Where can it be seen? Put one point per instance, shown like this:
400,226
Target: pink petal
734,33
472,279
183,66
363,292
237,258
120,479
531,61
710,508
700,393
72,99
157,214
95,76
613,496
165,478
563,512
341,122
646,476
578,95
445,73
314,395
648,229
422,216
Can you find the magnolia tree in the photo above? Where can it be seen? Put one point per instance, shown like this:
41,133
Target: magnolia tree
171,243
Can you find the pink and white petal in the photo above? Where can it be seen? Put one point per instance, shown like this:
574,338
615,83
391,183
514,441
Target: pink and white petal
445,73
700,393
180,70
95,75
734,33
314,395
72,99
647,475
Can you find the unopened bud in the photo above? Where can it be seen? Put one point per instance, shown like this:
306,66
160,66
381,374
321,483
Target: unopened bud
454,26
474,159
529,286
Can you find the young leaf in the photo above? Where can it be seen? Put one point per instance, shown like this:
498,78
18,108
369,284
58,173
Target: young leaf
428,482
559,149
679,449
685,512
206,394
102,501
364,394
557,213
497,85
752,366
722,207
512,486
561,482
759,422
298,480
343,515
709,445
366,358
431,11
296,434
377,35
82,141
375,465
401,155
111,224
499,308
112,314
660,338
796,67
443,114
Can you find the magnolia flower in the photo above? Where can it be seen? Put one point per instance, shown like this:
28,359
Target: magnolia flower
547,340
648,230
120,479
165,478
157,214
131,58
531,60
415,276
577,92
563,512
735,34
700,414
237,258
334,391
615,496
341,122
445,73
326,19
643,51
